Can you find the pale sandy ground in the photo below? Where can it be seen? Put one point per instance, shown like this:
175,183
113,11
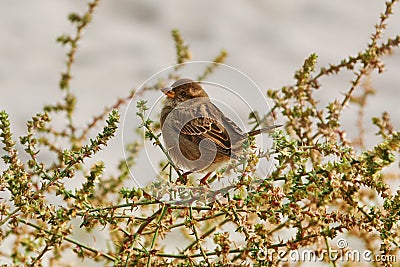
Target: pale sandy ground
129,41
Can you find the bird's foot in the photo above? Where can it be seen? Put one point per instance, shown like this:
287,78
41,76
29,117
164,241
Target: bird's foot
184,177
203,180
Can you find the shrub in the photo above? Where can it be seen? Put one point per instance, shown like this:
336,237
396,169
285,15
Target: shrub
322,187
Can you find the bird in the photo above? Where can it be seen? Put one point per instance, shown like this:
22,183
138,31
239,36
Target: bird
196,133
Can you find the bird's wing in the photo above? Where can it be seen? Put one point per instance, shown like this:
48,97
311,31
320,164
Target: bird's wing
208,122
201,128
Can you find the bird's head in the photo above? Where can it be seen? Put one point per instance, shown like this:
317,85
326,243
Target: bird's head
182,90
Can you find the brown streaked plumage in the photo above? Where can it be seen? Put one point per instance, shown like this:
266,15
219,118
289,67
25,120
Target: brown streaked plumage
198,136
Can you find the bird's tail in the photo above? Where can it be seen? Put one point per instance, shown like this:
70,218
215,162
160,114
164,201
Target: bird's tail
263,130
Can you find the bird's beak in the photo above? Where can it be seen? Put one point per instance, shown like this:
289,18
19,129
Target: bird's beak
168,92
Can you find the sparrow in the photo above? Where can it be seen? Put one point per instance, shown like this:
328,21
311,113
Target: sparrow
196,133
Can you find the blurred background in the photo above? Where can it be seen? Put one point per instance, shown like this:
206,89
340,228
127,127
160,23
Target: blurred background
128,41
